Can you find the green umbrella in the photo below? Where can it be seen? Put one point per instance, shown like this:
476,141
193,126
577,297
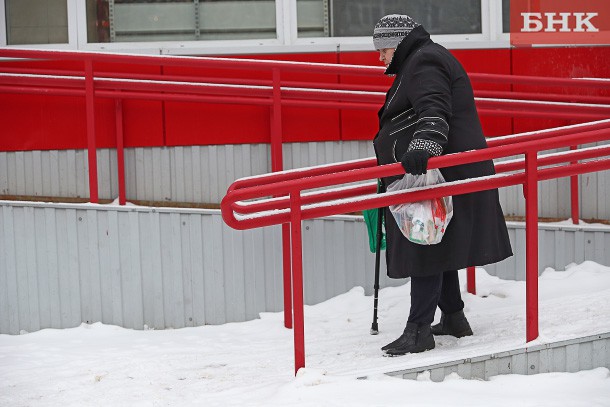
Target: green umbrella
370,218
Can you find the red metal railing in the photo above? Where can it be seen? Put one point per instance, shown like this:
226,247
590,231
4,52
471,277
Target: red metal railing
275,93
293,206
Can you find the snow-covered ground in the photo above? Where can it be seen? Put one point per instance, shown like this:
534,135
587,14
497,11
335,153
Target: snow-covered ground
251,363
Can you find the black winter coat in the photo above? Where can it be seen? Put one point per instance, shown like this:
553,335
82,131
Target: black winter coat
431,106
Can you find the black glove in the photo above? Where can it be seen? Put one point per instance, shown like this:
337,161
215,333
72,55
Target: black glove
415,162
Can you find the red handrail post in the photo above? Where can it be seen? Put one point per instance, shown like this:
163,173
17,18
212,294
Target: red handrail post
90,114
471,281
531,249
277,164
120,152
575,208
297,280
276,124
286,259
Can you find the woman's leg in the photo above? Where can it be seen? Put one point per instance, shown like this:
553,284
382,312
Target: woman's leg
417,335
425,293
450,300
453,321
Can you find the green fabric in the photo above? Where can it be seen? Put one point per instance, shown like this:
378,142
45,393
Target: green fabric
370,218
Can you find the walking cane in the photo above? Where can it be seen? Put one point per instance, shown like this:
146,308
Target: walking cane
374,327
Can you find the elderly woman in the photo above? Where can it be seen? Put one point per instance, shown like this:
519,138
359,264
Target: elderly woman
429,111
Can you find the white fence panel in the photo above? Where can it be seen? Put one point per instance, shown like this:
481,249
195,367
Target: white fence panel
202,174
63,264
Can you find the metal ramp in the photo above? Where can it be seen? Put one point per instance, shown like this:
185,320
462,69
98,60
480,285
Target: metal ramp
571,355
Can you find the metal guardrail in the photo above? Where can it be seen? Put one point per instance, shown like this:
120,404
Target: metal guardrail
280,199
273,92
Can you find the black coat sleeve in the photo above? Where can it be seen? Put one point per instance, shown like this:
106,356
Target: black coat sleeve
429,90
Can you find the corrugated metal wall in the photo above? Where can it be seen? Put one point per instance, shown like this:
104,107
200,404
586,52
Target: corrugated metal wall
63,264
177,174
572,355
559,245
203,174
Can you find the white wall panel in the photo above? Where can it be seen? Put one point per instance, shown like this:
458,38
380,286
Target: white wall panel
63,264
572,355
133,266
559,246
202,174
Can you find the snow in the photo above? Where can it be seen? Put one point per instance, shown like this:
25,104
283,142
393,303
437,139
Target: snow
251,363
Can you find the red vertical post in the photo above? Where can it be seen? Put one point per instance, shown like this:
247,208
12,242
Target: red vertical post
278,165
531,249
471,281
90,115
120,152
297,281
575,209
286,259
276,124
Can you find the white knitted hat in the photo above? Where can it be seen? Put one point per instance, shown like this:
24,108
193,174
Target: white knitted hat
392,29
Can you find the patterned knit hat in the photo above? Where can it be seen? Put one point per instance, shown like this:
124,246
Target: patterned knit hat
391,29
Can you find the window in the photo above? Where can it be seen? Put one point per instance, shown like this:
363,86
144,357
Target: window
184,27
36,22
505,16
179,20
348,18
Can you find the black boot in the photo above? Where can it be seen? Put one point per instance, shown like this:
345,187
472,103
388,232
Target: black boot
454,324
414,339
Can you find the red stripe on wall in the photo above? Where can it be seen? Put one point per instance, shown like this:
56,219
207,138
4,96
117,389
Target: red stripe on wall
34,122
568,62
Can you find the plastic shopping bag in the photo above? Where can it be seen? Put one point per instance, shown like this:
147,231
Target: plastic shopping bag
422,222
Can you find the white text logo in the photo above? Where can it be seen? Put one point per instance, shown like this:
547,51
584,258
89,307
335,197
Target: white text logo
558,22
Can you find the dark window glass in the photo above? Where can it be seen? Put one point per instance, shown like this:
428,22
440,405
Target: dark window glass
36,22
179,20
505,16
348,18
